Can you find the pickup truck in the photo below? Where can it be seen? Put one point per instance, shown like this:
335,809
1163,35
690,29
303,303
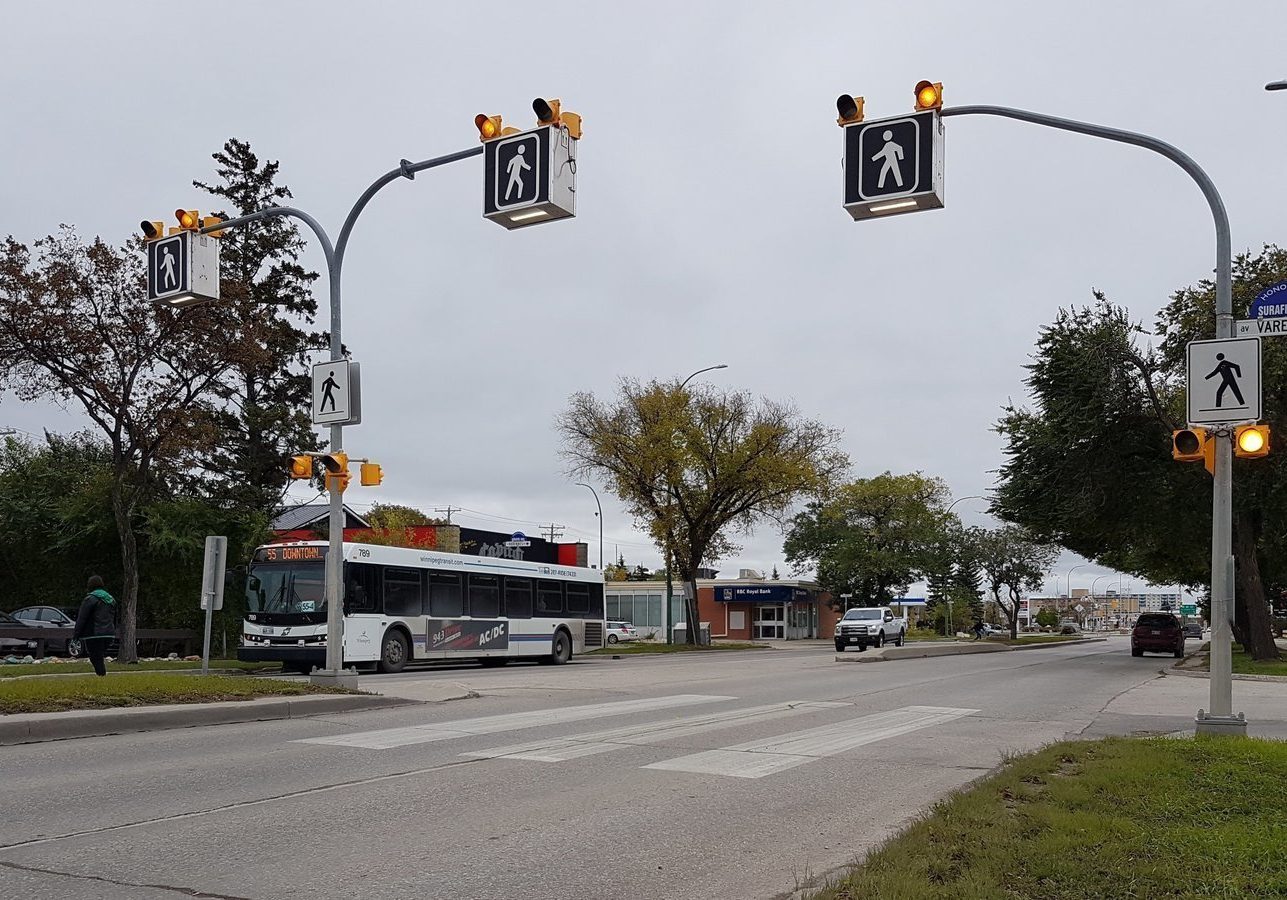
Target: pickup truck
872,625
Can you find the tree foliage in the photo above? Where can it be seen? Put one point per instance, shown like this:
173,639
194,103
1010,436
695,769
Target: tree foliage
1013,561
872,537
76,327
264,415
695,465
1089,465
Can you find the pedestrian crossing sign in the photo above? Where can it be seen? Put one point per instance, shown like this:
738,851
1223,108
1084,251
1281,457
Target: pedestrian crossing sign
337,393
530,177
183,269
893,165
1224,381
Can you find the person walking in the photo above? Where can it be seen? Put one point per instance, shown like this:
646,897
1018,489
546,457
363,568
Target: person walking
978,629
96,623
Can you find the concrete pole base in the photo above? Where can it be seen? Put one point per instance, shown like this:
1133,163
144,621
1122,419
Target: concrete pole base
1207,724
345,678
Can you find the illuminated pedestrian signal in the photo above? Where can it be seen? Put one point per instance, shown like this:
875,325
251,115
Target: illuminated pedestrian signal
850,109
371,474
1251,441
301,466
337,471
929,95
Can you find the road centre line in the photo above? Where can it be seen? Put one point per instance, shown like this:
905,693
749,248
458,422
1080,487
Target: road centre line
756,759
390,738
589,744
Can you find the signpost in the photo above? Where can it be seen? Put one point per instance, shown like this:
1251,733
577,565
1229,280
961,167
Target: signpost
530,177
183,269
212,578
1224,381
1268,314
337,393
894,165
518,539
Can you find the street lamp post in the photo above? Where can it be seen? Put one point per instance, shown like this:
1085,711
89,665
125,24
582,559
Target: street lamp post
670,554
600,514
1277,85
334,672
959,499
1068,580
1220,718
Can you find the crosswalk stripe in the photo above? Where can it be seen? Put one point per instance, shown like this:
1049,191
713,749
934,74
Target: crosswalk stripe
756,759
591,743
390,738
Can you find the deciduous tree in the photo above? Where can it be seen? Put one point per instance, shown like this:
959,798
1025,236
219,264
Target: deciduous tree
696,464
1012,561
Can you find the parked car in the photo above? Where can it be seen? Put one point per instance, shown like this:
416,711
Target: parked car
51,617
621,631
874,625
1157,633
21,646
1069,626
1193,630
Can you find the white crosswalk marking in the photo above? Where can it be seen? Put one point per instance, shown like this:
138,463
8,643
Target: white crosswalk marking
579,745
389,738
756,759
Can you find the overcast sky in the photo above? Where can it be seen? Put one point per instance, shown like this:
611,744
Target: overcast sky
709,227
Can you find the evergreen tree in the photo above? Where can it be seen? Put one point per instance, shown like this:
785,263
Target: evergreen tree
265,417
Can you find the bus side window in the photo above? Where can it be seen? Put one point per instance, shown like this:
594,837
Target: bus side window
549,598
578,599
403,592
596,601
361,588
445,599
518,597
484,596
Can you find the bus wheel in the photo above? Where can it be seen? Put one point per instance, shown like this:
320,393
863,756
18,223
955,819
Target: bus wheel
562,649
393,654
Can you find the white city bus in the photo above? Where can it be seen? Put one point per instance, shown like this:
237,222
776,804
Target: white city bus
405,604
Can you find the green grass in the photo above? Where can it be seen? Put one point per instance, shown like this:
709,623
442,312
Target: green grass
154,665
139,689
1116,818
1243,664
638,647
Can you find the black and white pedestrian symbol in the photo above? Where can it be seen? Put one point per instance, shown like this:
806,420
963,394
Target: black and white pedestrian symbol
1229,373
519,163
167,267
1224,381
892,156
337,394
893,165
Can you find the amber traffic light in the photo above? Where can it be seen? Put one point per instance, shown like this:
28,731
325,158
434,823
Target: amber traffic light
189,219
371,474
547,111
1194,445
1251,441
152,230
301,466
850,109
929,95
337,470
488,126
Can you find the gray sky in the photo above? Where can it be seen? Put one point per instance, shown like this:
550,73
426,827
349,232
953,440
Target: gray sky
709,224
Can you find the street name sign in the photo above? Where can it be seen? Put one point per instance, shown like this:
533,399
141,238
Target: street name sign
1224,381
1274,327
894,165
518,539
530,177
183,269
337,393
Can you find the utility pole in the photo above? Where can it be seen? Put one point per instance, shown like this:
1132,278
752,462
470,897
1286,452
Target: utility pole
554,531
448,510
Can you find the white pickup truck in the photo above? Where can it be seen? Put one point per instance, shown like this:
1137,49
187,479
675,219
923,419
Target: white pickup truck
874,625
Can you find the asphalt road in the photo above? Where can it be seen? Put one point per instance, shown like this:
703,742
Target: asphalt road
731,775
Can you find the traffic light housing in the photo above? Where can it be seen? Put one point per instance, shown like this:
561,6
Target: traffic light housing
152,230
337,471
1194,445
301,466
488,126
371,474
189,219
547,111
850,109
929,95
1251,441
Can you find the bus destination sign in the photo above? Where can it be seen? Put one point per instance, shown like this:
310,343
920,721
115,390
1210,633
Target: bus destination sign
284,553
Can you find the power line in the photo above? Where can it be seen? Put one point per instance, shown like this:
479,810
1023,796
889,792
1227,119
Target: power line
554,531
448,509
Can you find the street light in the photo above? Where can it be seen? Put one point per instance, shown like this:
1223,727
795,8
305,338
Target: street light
959,499
1068,581
1277,85
600,515
670,555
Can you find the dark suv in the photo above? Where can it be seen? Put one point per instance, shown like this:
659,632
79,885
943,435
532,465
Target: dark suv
1157,633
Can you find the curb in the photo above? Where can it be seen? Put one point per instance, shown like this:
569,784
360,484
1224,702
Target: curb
30,728
951,649
1237,676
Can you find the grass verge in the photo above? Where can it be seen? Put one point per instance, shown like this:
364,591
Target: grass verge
1116,818
152,665
1243,664
31,695
643,647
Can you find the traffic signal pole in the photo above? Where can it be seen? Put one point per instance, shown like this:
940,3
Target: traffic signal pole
334,673
1219,719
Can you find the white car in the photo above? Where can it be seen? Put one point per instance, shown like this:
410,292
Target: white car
621,631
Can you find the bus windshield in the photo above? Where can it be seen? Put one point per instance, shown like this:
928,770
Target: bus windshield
288,589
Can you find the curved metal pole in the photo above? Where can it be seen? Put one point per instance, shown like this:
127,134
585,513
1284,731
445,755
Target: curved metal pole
1068,581
1220,717
600,505
700,371
959,499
